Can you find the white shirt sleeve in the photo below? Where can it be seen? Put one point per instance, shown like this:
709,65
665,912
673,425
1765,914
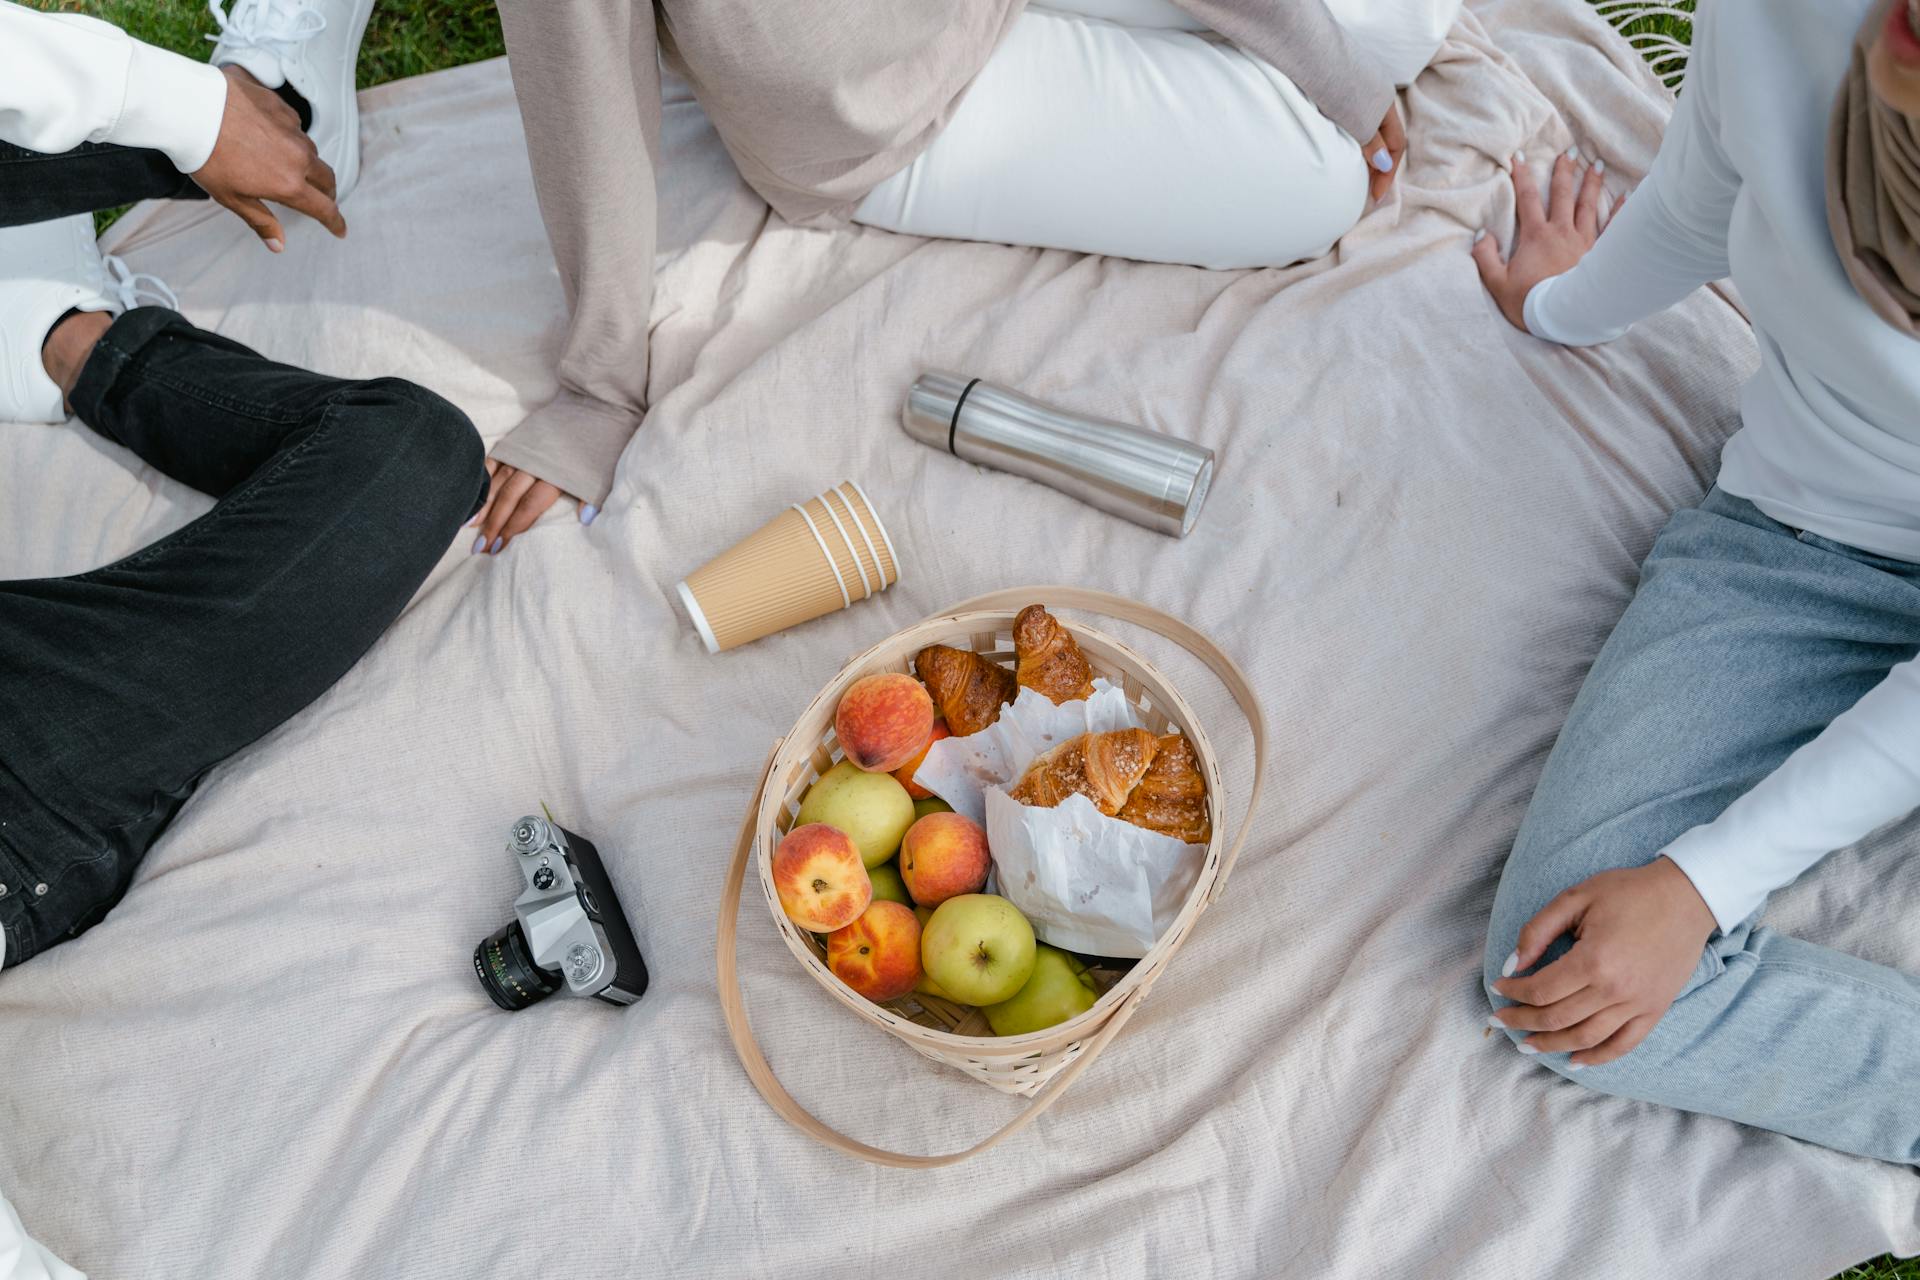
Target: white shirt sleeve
1862,771
67,79
24,1258
1671,237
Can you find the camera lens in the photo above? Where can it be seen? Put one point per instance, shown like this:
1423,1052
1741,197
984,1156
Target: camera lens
506,969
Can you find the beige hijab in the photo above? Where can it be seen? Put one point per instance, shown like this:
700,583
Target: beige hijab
1873,189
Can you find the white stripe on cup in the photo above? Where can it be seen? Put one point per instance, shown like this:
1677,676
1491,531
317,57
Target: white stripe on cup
865,537
857,566
845,599
879,524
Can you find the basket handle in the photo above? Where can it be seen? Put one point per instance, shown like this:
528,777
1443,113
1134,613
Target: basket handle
761,1072
1224,668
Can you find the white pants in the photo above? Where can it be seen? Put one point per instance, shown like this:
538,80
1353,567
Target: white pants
1122,128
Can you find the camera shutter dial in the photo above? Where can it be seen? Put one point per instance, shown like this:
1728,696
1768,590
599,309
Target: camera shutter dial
583,964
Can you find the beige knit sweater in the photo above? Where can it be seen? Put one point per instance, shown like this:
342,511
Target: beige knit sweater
818,101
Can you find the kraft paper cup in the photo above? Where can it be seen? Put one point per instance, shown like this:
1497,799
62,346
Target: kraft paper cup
813,558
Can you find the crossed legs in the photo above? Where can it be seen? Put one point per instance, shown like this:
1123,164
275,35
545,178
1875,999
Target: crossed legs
1743,641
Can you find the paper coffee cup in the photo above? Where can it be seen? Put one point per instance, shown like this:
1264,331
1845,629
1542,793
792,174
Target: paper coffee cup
813,558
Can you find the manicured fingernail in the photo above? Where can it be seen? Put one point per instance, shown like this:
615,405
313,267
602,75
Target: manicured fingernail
1513,962
1519,159
1573,153
499,542
1527,1049
274,246
1382,161
479,544
1480,235
588,512
1599,166
1493,1020
1576,1066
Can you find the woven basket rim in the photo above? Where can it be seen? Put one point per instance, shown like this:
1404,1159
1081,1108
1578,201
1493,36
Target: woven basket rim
1048,1041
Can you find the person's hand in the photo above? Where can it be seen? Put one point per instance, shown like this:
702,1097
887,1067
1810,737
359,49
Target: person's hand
1549,238
1638,933
262,154
515,499
1382,153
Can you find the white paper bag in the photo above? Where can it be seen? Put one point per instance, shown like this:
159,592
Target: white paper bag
1087,882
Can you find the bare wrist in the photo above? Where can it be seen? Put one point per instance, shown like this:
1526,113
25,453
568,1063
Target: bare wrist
1699,915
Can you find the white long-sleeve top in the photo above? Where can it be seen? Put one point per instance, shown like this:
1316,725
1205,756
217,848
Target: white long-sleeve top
1830,434
24,1258
67,79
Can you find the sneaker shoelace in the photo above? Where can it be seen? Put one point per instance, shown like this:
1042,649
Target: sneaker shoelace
135,288
272,25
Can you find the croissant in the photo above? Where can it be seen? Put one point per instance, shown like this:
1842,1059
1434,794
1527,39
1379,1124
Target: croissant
1172,796
1103,767
1048,659
967,688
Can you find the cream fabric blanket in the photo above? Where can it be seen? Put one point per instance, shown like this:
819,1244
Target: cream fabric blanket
272,1059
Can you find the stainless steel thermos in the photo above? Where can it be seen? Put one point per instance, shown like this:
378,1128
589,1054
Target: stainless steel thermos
1151,479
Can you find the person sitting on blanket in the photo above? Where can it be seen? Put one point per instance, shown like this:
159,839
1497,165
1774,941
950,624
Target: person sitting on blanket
1758,705
1153,140
121,687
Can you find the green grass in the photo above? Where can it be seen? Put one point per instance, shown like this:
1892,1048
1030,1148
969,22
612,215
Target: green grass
1883,1268
404,37
412,37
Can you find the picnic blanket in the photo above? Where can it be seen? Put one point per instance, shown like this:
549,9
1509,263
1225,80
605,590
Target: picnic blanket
272,1060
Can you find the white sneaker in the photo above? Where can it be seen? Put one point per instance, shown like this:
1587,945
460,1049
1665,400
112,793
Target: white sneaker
46,270
312,45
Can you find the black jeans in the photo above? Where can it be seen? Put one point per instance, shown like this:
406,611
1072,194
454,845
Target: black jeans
120,688
38,187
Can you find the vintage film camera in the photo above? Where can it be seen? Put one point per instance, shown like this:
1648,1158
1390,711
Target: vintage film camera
567,931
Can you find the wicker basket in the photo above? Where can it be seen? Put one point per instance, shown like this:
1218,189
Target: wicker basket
1041,1065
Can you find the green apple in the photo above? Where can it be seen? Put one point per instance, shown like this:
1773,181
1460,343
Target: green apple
888,884
873,808
1060,988
978,947
932,804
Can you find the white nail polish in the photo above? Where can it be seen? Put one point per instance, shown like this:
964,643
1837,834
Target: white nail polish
1493,1020
1573,154
1519,159
1599,166
1513,962
1576,1066
1528,1049
1480,235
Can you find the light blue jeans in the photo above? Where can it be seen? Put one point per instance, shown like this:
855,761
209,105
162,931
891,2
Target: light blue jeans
1744,640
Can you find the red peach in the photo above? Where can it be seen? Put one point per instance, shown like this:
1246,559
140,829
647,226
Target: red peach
943,856
820,879
878,955
884,721
905,771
